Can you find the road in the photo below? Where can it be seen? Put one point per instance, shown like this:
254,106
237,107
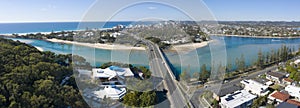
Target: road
216,86
160,68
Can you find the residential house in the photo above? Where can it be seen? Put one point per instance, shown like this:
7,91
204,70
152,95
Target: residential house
278,97
287,81
217,93
112,73
286,105
255,87
295,102
238,99
275,76
293,91
109,91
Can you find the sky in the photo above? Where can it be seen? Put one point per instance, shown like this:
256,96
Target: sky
76,10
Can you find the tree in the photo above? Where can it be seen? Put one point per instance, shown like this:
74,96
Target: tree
204,74
260,101
240,63
184,76
260,59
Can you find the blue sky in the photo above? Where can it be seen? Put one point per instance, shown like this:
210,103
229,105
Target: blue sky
74,10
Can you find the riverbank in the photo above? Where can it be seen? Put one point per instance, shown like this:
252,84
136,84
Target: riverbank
39,48
189,46
98,45
247,36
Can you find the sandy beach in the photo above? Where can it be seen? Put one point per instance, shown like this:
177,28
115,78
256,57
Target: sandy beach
39,48
189,46
98,45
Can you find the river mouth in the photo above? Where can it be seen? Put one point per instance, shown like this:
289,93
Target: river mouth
235,47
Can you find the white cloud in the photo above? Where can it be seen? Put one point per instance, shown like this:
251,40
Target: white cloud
152,8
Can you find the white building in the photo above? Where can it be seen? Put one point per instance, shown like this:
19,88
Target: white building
293,91
275,76
255,87
238,99
111,92
112,72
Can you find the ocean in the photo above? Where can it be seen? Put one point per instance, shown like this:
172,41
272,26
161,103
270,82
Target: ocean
9,28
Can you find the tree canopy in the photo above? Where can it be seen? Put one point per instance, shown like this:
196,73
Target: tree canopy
30,78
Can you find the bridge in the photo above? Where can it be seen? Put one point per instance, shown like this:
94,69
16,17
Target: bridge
160,68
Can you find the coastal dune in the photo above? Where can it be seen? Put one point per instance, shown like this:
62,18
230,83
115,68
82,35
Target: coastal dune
183,47
98,45
189,46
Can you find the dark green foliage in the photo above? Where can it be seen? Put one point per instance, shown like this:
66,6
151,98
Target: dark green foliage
260,101
140,99
31,79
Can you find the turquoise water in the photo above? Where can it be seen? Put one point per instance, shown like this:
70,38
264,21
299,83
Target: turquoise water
222,48
93,55
232,47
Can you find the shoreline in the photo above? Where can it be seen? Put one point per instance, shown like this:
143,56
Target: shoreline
189,46
39,48
247,36
98,45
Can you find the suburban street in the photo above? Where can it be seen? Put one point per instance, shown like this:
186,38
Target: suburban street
217,86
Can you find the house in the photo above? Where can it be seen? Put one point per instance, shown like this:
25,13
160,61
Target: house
112,75
286,105
295,102
278,97
238,99
109,91
255,87
217,93
293,91
287,81
275,76
296,63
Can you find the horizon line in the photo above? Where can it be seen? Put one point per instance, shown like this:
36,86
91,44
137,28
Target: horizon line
149,20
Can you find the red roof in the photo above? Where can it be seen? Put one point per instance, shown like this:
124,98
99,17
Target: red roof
293,102
288,80
280,96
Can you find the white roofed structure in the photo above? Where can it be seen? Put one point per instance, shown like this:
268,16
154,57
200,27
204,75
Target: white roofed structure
255,87
293,91
238,99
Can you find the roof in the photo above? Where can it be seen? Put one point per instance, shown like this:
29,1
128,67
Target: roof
293,90
297,61
293,102
286,105
288,80
255,87
110,91
237,98
227,90
280,95
276,74
112,72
